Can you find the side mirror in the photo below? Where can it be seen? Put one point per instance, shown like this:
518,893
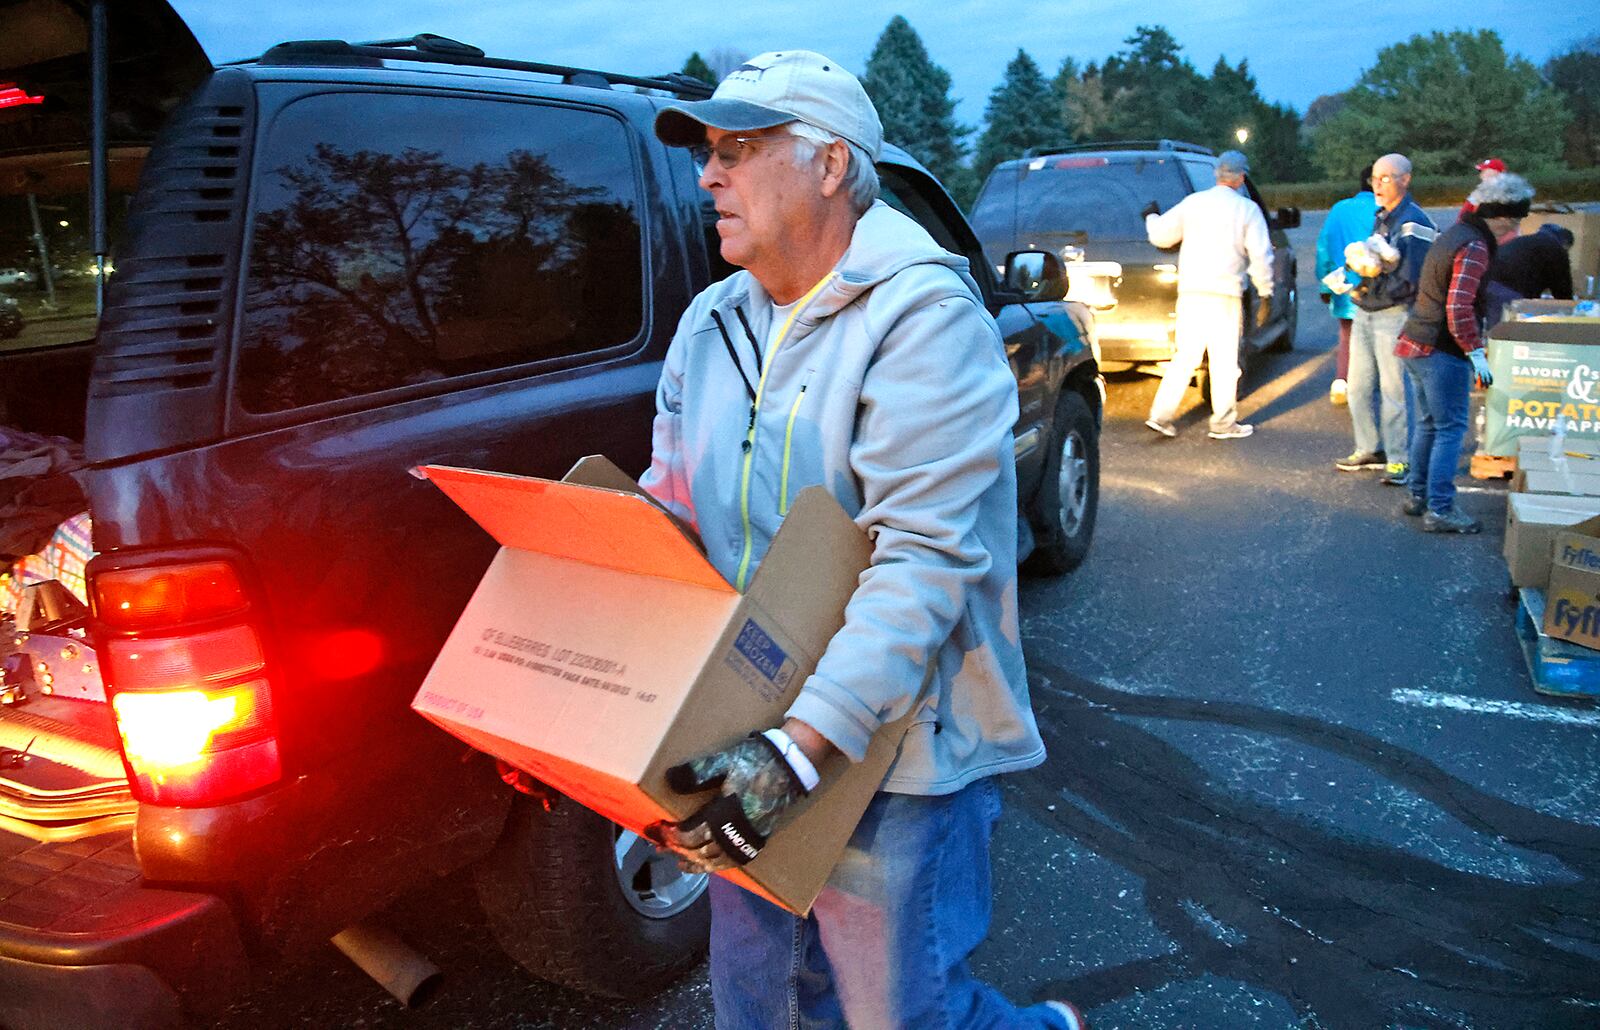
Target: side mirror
1036,274
1287,218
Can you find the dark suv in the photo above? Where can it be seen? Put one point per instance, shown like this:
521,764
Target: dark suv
343,261
1084,203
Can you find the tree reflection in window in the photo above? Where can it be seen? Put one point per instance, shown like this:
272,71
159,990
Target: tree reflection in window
387,269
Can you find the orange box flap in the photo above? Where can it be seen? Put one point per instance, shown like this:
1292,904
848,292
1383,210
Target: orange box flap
608,528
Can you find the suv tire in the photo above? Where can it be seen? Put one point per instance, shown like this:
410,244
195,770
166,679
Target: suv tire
1069,495
553,893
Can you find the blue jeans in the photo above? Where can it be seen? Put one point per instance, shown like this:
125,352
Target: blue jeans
1443,386
1373,364
887,941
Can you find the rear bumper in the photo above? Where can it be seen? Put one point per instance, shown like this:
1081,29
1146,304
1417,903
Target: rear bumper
83,945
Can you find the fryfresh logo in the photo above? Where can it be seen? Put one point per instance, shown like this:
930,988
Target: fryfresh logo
1581,619
1580,558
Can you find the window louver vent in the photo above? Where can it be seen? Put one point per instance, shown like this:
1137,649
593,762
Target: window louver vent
162,350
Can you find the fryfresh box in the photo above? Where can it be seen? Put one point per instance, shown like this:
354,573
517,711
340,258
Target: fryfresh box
1532,523
1546,374
1572,602
601,648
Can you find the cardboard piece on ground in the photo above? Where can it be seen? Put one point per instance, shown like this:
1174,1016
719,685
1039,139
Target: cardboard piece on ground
1572,605
601,648
1532,522
1556,481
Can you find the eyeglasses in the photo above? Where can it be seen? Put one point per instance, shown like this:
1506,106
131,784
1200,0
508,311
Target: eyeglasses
1384,180
730,150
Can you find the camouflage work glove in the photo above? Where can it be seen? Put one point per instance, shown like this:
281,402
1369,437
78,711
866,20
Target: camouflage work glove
756,786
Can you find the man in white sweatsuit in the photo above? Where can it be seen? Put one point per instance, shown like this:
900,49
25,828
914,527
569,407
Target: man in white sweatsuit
1221,230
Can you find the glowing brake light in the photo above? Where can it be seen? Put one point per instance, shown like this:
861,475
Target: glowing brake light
13,96
172,728
188,679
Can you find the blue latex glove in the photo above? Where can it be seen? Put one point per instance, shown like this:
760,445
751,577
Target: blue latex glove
1480,365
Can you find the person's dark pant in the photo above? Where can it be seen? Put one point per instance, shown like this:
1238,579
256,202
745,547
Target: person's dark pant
1442,385
1344,348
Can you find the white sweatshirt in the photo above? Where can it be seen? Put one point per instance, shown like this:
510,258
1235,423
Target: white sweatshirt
1218,228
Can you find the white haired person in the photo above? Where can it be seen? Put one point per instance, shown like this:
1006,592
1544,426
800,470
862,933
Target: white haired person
851,352
1387,265
1221,237
1442,347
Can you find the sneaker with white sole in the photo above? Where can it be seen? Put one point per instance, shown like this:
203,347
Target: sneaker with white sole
1166,429
1339,393
1070,1013
1360,460
1394,473
1237,431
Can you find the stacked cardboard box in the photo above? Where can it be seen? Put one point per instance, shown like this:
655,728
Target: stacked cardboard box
1552,549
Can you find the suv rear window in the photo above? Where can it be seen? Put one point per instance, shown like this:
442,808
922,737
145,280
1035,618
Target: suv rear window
1099,197
402,240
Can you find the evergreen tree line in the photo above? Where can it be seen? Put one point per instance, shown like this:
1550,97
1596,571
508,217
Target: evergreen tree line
1445,99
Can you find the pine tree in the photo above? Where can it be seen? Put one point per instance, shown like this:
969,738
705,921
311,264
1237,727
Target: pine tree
1062,108
1018,116
912,95
697,68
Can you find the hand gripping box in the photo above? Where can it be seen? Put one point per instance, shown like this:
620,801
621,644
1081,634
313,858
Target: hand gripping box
601,648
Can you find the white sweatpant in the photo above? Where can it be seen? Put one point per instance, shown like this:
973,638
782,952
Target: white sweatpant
1208,324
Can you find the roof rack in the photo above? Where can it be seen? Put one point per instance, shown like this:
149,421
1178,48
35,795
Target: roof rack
428,48
1120,144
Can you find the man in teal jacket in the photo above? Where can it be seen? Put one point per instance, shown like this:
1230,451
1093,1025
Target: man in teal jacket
1348,220
854,353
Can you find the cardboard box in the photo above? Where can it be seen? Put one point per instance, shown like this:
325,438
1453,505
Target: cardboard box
1545,444
1532,522
1572,604
1575,462
1546,375
1585,225
1556,481
601,648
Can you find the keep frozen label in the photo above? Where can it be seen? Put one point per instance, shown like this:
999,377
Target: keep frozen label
761,662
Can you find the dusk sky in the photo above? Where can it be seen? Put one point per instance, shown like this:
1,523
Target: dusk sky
1297,50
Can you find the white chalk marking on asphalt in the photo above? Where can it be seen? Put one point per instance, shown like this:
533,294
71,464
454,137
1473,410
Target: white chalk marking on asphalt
1131,483
1485,706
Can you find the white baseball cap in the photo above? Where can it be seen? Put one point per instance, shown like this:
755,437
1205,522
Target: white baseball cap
773,88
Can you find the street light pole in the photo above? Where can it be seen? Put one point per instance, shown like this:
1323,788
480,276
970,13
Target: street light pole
99,73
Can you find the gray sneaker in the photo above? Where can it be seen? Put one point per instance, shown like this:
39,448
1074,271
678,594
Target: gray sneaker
1237,431
1360,460
1413,506
1451,521
1166,429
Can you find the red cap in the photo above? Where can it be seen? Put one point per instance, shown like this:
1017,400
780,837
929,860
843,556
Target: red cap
1491,162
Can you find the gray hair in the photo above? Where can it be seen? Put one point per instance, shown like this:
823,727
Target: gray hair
1399,162
860,177
1505,188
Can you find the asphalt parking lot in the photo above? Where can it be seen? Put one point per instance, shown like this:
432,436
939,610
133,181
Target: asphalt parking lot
1297,775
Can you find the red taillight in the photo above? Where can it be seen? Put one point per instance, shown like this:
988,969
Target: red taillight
187,677
164,596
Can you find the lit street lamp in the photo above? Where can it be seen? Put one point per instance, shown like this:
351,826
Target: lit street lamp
1241,134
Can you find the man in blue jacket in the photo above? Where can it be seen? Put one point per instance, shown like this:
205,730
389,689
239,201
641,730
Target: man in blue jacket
1348,220
1383,297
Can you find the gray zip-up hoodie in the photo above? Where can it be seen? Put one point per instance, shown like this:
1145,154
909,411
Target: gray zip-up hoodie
890,387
